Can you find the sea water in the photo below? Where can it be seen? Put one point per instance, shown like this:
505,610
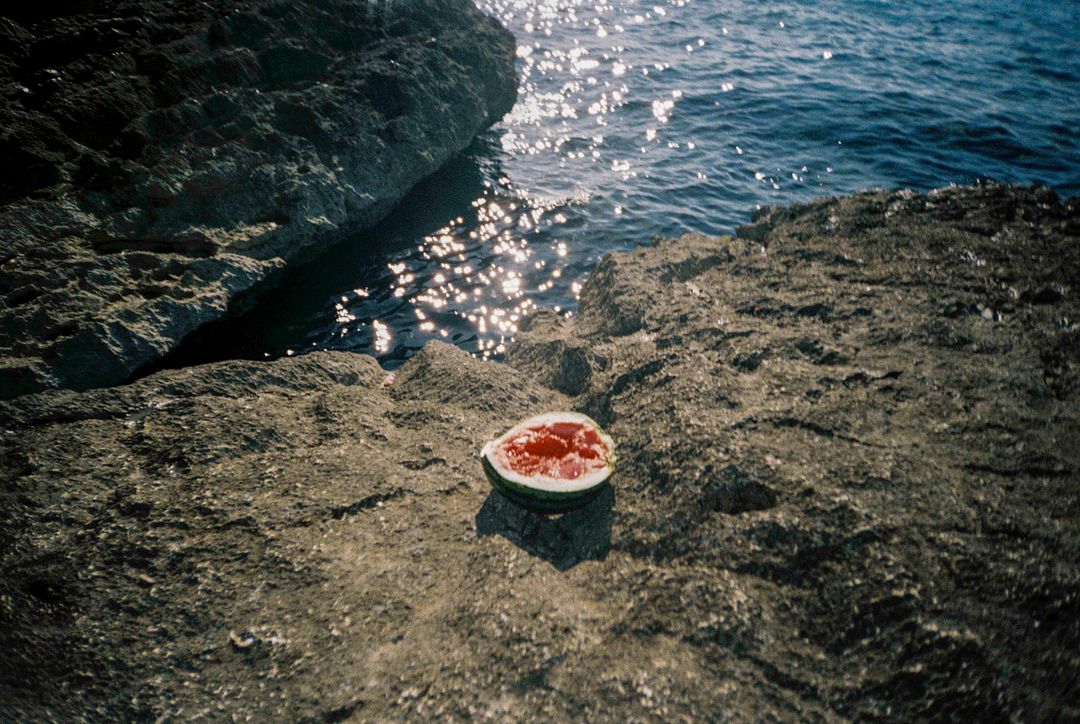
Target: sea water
655,118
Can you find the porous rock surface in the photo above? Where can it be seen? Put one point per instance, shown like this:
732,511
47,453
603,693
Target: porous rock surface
163,158
848,489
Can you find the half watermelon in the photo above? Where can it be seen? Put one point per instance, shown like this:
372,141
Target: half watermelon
550,463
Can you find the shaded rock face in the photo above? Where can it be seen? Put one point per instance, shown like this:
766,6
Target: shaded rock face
162,159
848,489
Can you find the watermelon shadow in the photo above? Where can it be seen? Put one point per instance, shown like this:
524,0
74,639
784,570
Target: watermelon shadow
563,540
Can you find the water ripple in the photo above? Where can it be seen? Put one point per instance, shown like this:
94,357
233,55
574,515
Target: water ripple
655,118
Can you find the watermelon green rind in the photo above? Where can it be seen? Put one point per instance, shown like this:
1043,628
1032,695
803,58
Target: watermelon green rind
549,502
541,491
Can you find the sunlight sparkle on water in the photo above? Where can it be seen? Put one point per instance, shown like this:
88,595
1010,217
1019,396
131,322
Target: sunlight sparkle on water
658,117
483,271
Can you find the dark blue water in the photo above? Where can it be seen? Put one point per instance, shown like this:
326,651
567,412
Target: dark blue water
638,119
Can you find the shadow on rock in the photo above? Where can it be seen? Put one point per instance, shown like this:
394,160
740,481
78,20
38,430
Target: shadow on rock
563,540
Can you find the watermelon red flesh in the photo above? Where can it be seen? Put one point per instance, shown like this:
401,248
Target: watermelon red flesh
563,450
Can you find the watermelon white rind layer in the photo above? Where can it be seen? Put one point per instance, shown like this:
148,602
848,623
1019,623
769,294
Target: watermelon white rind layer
542,491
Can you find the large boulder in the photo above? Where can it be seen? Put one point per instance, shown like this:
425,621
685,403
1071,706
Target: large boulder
162,159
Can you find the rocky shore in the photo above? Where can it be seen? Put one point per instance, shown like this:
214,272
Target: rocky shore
849,488
162,159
